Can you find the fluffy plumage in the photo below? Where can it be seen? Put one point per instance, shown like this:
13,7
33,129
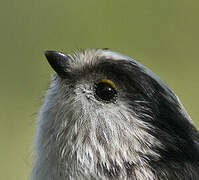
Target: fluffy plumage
144,134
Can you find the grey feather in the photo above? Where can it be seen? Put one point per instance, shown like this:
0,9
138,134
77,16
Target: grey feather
145,134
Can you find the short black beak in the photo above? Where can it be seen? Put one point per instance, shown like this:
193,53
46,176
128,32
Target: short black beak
57,60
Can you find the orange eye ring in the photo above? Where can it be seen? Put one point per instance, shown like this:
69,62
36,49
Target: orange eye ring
107,81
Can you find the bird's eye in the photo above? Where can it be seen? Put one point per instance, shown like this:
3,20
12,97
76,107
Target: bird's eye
105,90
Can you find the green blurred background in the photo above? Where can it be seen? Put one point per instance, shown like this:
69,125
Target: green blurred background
161,34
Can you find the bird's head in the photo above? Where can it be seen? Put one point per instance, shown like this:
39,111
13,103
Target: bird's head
106,111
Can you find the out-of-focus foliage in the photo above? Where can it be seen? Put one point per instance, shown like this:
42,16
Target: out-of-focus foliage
162,35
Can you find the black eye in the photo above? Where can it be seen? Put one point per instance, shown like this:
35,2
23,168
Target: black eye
105,90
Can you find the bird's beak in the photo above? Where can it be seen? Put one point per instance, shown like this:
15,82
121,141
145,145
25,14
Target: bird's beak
58,61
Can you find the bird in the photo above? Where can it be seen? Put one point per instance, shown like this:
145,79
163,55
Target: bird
106,116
